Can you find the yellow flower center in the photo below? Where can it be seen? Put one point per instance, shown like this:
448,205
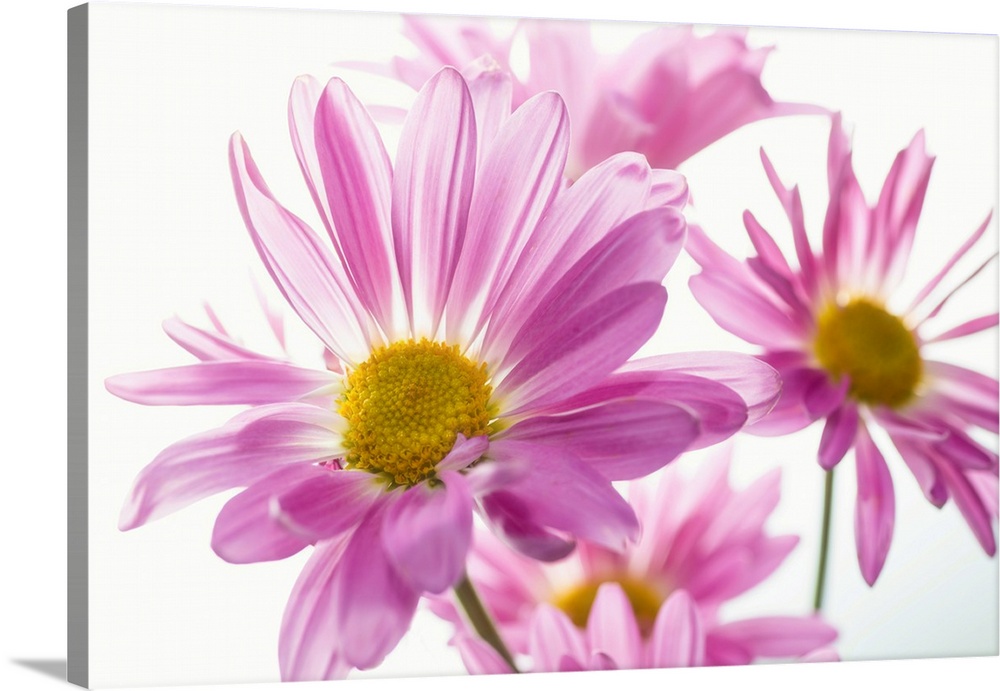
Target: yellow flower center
872,347
644,597
406,404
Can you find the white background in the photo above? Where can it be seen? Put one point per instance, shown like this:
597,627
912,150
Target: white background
155,589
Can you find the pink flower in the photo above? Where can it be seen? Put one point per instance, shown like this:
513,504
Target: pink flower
479,318
851,355
667,96
656,604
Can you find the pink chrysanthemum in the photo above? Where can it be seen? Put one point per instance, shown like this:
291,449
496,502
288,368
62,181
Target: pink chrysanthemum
479,318
656,604
854,356
667,96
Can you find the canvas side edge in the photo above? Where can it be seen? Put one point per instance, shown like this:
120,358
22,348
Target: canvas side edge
77,646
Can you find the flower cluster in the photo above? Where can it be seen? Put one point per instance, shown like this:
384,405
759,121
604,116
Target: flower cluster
481,298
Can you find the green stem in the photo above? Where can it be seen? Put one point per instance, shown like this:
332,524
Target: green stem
824,545
480,619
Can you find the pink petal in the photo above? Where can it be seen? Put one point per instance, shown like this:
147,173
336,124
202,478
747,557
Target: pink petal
849,240
561,492
552,637
719,411
491,88
612,628
897,424
821,655
875,508
431,190
940,275
641,249
478,656
965,386
974,510
792,203
327,503
374,603
357,177
967,328
744,312
594,341
900,202
951,293
305,652
245,530
622,439
515,184
767,555
669,188
823,397
464,452
580,216
678,638
508,517
427,533
841,431
310,278
775,637
918,460
205,345
239,382
248,447
274,318
756,382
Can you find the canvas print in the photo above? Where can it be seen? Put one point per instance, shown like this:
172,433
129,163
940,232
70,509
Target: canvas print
436,345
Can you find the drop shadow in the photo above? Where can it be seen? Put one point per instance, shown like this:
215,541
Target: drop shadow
54,668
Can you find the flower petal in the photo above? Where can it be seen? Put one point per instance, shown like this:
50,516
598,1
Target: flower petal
311,279
357,177
427,533
491,89
678,638
516,183
245,530
641,249
594,342
552,637
621,439
719,411
508,517
205,345
431,190
756,382
327,503
612,628
464,452
899,204
305,652
775,637
580,216
875,509
248,447
374,603
839,434
478,656
972,505
559,491
215,382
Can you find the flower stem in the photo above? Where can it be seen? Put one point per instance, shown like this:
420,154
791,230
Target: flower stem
480,619
824,545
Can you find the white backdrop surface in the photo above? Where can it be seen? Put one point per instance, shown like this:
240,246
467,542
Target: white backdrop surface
168,86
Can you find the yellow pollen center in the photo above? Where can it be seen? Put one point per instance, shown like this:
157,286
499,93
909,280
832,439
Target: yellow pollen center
872,347
406,404
644,597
